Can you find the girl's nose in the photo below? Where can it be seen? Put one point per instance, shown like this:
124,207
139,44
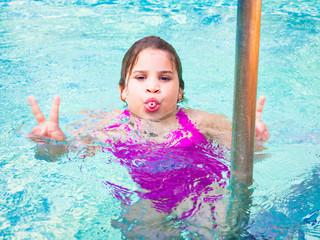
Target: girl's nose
153,90
153,86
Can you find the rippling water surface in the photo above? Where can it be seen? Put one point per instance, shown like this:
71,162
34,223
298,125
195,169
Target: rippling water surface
75,48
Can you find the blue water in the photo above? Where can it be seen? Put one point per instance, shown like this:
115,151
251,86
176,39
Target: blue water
75,48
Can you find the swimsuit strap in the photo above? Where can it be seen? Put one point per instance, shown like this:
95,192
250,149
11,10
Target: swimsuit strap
186,123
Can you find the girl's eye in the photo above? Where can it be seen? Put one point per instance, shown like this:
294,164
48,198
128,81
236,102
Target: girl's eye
165,78
140,77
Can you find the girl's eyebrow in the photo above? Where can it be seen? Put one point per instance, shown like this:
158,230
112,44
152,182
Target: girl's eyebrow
143,71
139,71
166,72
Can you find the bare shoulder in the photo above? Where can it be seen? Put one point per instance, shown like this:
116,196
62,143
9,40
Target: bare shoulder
213,125
204,119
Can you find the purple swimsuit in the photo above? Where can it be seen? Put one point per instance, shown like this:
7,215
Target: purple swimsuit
186,165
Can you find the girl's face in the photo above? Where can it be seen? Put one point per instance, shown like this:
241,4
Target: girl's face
152,90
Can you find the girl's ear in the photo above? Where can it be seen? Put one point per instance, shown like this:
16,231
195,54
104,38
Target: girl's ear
123,93
180,95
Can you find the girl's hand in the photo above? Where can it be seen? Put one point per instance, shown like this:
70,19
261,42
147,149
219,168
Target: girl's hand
47,128
261,130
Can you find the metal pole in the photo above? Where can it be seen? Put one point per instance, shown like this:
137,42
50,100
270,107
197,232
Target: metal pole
244,111
246,75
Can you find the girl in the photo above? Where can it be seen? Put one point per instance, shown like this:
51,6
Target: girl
151,84
169,151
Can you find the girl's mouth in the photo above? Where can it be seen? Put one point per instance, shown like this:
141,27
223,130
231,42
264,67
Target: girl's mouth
151,105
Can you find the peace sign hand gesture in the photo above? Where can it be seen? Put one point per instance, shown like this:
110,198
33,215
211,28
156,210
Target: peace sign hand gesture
47,128
262,132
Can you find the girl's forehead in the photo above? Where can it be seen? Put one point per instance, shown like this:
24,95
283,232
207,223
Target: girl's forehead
151,57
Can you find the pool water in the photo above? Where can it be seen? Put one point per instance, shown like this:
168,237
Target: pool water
74,49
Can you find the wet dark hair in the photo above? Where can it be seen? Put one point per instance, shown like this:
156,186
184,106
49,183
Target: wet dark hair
130,58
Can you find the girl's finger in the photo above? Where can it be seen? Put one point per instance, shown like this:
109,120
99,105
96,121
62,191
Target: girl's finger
54,113
266,135
260,108
36,110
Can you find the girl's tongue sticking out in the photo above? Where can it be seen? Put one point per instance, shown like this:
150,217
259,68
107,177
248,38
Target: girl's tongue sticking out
151,105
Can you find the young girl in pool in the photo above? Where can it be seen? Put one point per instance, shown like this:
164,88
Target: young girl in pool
168,150
151,84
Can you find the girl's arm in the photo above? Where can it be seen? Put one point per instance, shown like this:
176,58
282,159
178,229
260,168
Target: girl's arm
219,127
84,134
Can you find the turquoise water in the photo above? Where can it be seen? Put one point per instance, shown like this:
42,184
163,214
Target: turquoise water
75,48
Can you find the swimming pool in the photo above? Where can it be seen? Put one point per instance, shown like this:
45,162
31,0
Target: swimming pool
75,48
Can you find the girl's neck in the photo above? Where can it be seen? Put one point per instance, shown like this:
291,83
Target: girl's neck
166,124
164,119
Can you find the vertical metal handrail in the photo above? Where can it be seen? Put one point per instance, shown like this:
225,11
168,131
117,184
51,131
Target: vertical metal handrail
245,93
244,111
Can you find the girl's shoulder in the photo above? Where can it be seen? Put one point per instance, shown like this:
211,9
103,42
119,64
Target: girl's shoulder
204,119
212,125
